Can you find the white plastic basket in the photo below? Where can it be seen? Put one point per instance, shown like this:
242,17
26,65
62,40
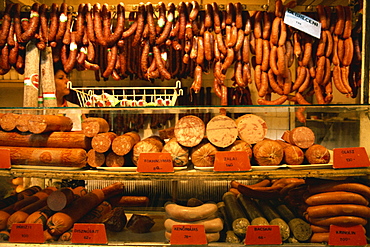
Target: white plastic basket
127,96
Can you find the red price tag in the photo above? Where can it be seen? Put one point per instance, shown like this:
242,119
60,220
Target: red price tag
348,236
155,162
89,234
350,157
266,235
5,162
27,233
188,235
226,161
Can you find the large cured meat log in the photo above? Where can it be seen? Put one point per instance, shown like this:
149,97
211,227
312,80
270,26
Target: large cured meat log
64,220
46,123
8,121
251,128
302,137
56,139
7,201
31,76
93,125
189,131
221,131
21,123
66,157
179,154
102,142
124,143
203,155
152,144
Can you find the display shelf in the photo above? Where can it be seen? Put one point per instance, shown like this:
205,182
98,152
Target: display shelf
188,174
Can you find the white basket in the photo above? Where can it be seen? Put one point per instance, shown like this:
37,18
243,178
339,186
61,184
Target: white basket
127,96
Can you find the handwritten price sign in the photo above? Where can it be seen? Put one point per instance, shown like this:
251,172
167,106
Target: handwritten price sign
266,235
155,162
347,236
188,235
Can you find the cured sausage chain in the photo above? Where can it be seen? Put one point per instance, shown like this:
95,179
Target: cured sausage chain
185,41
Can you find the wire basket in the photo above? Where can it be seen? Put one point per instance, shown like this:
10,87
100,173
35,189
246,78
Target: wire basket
127,96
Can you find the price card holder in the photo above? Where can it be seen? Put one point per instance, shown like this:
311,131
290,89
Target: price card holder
5,162
350,157
347,236
27,233
155,162
89,234
235,161
263,235
188,235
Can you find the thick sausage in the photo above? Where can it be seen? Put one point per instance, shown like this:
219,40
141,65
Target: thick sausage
184,213
336,197
338,210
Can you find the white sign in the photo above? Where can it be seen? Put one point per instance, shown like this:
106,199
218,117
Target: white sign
303,23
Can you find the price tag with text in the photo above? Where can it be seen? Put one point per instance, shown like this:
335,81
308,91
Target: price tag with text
264,235
89,234
348,236
188,235
303,23
5,162
155,162
350,157
27,233
232,161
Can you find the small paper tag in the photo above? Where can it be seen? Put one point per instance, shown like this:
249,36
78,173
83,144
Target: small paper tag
348,236
263,235
350,157
188,235
155,162
5,161
303,23
232,161
27,233
89,234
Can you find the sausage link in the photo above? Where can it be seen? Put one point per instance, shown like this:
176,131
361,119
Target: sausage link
160,65
140,25
348,52
273,84
265,55
120,26
34,24
200,53
6,23
278,101
167,28
275,31
339,25
197,83
228,60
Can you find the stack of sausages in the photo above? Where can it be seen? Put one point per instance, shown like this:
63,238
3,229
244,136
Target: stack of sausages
204,214
42,140
342,203
184,41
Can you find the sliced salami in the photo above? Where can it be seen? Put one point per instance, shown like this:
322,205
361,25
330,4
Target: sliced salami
302,137
189,131
221,131
251,128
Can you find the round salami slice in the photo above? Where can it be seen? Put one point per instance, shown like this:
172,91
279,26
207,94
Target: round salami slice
189,131
251,128
302,137
221,131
